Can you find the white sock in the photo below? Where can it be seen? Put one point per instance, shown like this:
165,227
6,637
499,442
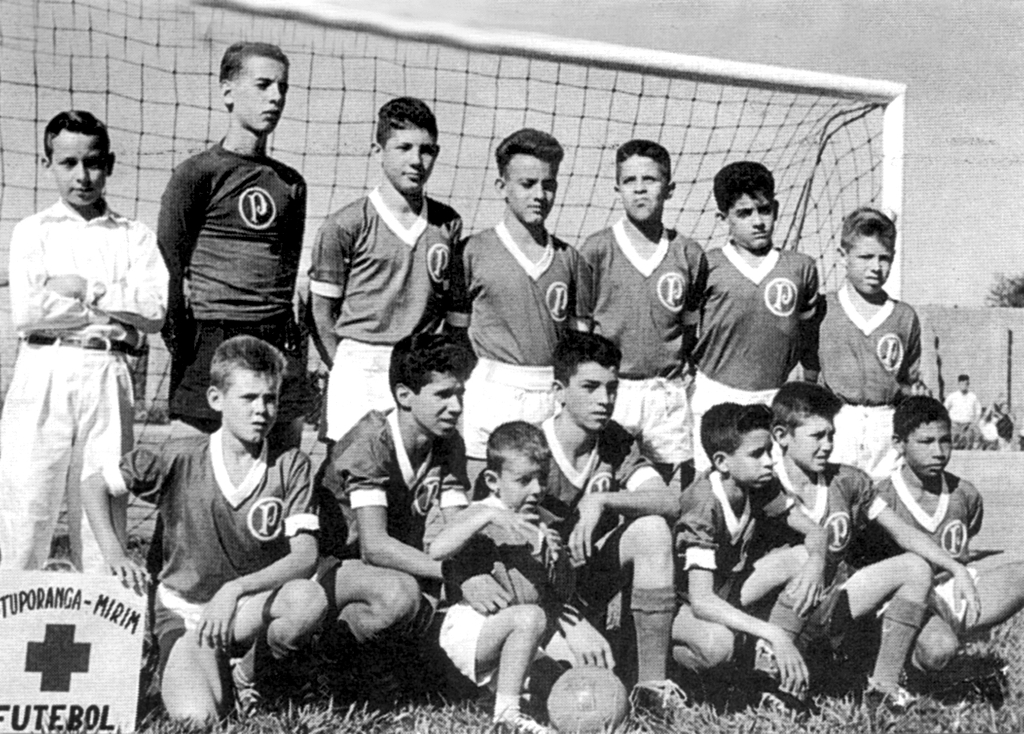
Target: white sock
506,706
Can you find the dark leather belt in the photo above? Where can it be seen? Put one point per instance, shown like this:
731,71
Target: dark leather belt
98,343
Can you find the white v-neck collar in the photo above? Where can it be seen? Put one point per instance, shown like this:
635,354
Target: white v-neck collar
408,235
578,479
865,325
754,275
410,475
816,513
734,525
648,266
235,495
928,522
533,269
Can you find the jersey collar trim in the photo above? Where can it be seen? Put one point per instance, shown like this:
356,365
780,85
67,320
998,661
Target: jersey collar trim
734,525
533,269
253,478
409,236
409,475
928,522
754,275
865,325
61,211
577,479
648,266
816,513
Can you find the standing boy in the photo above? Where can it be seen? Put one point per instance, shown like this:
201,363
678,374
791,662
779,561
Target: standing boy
648,281
869,345
610,507
842,500
721,514
520,289
230,230
502,535
964,412
86,282
239,543
760,303
949,509
385,476
380,267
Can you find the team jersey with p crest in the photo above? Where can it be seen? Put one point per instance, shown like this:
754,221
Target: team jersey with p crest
709,535
751,333
614,464
519,309
392,281
865,361
233,224
643,305
843,503
368,467
955,519
215,532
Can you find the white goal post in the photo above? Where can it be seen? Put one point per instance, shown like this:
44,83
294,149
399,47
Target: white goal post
888,96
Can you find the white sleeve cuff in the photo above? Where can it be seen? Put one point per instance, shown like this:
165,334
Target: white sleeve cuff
641,475
367,498
297,523
700,558
454,498
327,290
876,507
114,480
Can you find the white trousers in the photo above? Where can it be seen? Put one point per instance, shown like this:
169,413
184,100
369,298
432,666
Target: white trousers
358,384
67,418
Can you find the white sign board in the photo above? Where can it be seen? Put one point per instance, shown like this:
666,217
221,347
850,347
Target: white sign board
70,652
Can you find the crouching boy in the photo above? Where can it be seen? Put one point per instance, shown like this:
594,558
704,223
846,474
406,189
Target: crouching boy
239,545
502,536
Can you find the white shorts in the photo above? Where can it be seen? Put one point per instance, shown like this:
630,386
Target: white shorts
864,439
357,385
657,411
497,393
942,599
706,393
190,612
460,634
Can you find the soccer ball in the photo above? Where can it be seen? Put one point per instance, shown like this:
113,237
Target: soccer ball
587,699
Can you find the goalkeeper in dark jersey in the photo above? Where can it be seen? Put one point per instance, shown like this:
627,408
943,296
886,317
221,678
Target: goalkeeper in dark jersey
230,231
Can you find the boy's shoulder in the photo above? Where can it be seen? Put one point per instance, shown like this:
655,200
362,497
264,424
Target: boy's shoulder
352,215
216,161
440,214
372,430
959,486
845,474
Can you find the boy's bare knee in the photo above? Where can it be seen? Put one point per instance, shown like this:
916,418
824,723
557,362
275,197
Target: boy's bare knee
302,600
531,618
397,597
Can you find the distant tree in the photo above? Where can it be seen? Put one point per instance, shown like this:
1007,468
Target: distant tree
1008,292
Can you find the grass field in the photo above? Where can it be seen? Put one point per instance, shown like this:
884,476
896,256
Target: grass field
317,695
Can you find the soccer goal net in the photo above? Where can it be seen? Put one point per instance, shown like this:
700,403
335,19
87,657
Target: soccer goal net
150,71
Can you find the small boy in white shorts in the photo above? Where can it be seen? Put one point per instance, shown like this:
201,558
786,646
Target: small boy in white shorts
520,289
647,285
502,536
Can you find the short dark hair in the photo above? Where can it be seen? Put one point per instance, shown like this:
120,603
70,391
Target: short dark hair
577,347
534,143
867,221
795,402
404,113
645,149
245,353
724,426
516,437
739,178
236,54
415,358
963,377
76,121
914,411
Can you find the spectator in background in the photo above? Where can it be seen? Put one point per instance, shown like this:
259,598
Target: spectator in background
964,412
